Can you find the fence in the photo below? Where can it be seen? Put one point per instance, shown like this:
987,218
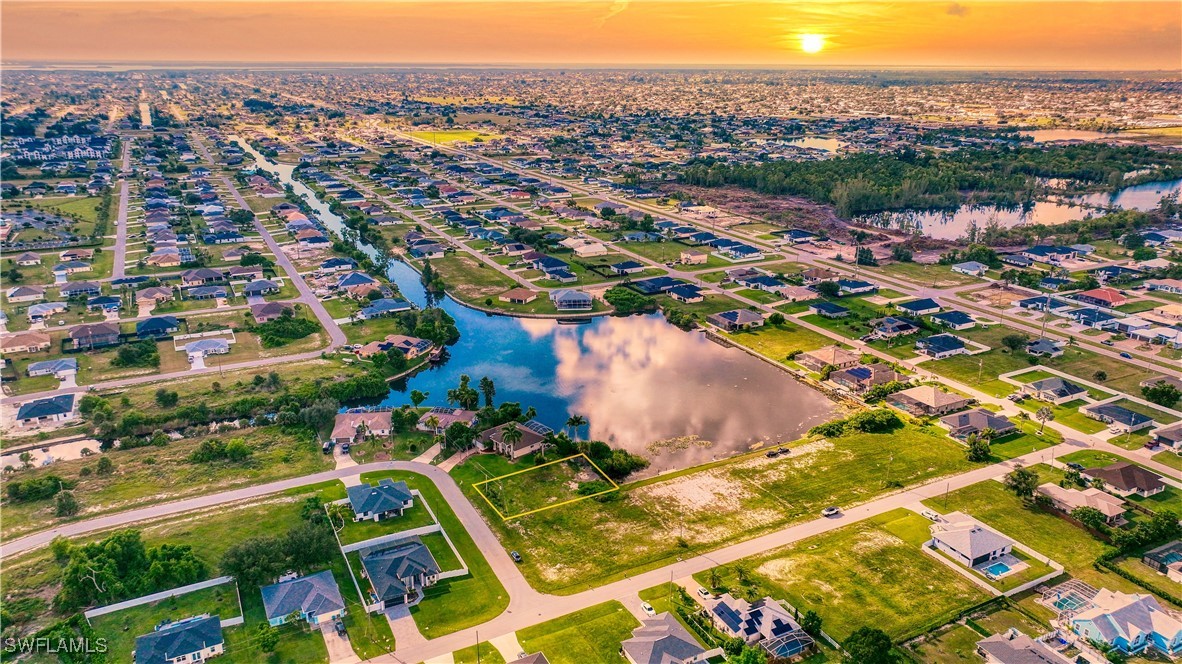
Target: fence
165,594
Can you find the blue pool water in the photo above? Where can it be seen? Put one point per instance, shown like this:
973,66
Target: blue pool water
998,569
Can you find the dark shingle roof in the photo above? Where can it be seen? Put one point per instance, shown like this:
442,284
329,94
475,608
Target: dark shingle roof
179,639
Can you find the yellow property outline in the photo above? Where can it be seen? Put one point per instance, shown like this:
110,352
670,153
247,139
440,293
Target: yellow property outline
615,487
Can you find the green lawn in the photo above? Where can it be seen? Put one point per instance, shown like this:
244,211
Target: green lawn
777,341
591,635
951,644
762,297
483,652
928,275
655,521
1169,458
471,279
874,568
711,304
1025,441
452,604
1067,413
122,627
537,488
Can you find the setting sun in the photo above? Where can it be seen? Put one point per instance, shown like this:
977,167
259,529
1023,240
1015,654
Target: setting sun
812,43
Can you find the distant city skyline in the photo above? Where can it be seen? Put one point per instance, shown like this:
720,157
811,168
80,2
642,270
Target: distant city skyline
1012,34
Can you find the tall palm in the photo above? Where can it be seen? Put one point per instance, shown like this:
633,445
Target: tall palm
574,422
511,435
1044,415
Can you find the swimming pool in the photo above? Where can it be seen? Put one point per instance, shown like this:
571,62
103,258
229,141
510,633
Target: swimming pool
998,569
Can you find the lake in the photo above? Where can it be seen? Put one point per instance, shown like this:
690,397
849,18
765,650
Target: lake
675,397
955,224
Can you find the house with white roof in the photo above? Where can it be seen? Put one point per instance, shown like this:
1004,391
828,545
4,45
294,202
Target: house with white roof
967,541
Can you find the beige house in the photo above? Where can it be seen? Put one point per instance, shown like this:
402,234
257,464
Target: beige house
1066,500
693,257
25,342
816,360
928,400
350,427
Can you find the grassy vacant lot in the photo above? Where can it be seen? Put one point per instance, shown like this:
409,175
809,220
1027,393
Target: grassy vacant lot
122,627
712,304
875,568
649,523
777,341
148,475
453,604
470,279
951,644
1051,536
857,323
444,136
591,635
1025,441
935,275
1067,414
530,489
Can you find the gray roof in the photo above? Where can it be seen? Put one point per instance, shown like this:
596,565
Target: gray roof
178,640
389,566
970,538
315,594
385,496
661,640
54,366
59,405
1057,386
1017,648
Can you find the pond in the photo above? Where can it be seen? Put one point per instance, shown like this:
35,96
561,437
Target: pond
644,385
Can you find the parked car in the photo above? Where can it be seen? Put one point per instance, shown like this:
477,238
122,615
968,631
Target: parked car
1126,356
344,448
930,515
648,609
703,593
340,627
1108,342
327,448
831,511
1075,466
515,556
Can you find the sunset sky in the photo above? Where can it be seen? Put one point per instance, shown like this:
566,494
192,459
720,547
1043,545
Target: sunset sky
1110,34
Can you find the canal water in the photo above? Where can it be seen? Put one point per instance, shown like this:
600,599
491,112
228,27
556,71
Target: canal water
672,396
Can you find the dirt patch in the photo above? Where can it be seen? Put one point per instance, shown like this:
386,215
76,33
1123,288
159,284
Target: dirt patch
705,492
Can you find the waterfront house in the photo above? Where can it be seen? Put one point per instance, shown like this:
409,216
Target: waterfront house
571,300
834,356
533,434
736,319
928,400
354,426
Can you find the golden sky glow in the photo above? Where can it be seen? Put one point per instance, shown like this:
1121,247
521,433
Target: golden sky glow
1110,34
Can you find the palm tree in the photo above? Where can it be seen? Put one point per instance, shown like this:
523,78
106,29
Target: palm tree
574,422
337,515
1044,415
511,435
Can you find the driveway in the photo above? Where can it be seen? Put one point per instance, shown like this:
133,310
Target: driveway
339,650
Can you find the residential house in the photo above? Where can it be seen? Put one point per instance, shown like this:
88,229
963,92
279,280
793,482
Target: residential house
383,306
693,257
1169,436
1054,390
855,287
77,288
25,294
59,368
260,287
941,346
571,300
191,640
627,267
1102,297
1166,559
977,421
153,295
94,335
829,310
533,434
1067,500
410,347
315,598
922,307
399,571
928,400
200,276
956,320
1118,418
27,259
1014,647
687,293
1126,479
971,268
1130,623
861,378
891,327
380,501
354,426
206,347
764,621
967,541
46,411
518,296
157,326
736,319
834,356
25,342
443,418
268,311
1044,348
661,639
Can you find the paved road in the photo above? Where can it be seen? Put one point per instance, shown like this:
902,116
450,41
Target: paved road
119,269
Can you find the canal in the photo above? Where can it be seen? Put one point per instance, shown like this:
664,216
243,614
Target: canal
644,385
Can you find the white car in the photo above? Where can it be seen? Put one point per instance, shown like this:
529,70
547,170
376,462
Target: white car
831,511
648,609
703,593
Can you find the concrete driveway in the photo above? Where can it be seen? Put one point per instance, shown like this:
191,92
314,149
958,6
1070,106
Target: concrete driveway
339,650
